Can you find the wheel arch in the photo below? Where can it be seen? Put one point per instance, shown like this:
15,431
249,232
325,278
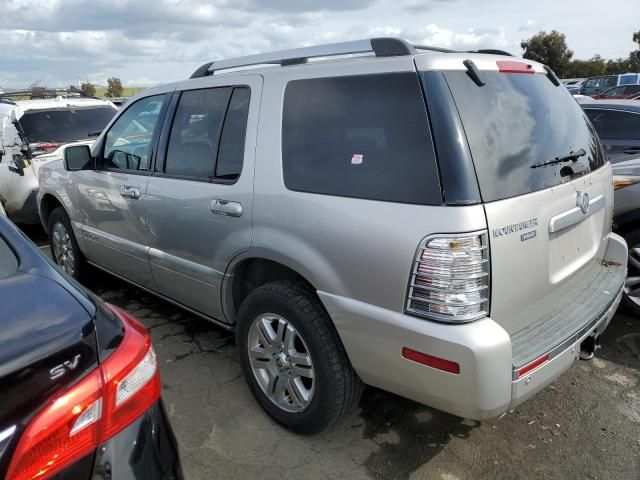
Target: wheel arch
48,203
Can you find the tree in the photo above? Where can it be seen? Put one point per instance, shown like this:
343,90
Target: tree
550,49
73,88
88,88
114,88
593,67
634,57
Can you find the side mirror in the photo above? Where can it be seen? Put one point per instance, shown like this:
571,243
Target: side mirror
77,157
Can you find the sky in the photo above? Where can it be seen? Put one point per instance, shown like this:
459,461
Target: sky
146,42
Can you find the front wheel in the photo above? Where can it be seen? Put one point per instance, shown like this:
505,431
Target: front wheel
64,247
631,294
293,359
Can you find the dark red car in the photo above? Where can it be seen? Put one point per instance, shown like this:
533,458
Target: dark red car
621,91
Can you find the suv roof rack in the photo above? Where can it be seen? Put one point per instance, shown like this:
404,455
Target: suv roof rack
380,47
44,93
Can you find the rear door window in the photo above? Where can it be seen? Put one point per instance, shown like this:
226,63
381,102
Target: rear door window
615,124
359,136
516,121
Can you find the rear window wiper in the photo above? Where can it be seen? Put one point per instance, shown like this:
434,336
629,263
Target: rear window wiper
572,157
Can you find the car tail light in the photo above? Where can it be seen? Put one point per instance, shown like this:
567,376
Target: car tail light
450,278
92,411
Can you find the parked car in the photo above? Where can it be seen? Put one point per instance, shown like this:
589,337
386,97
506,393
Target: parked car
618,125
80,396
596,85
626,182
349,238
621,92
34,132
573,84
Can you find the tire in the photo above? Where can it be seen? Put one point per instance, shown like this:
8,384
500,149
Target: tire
631,295
282,313
64,247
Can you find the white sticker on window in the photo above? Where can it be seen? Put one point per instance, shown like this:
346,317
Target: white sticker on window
356,159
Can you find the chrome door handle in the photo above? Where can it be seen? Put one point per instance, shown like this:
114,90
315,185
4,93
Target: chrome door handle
128,191
227,208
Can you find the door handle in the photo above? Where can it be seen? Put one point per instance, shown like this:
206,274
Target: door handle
227,208
127,191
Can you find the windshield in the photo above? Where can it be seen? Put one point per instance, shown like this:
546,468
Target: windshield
516,121
65,125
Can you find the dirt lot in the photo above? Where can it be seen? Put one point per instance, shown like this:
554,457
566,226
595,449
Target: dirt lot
586,425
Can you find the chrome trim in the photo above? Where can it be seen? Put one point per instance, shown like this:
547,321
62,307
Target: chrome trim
5,439
185,267
220,323
415,274
118,243
573,216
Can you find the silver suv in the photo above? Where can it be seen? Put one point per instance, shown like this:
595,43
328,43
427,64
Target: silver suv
433,223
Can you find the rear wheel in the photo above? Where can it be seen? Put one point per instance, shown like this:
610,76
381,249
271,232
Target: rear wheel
64,247
631,295
293,359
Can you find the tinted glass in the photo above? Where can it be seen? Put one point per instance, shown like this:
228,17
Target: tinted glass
614,91
610,81
128,142
359,136
8,260
630,89
615,124
195,132
231,151
516,121
65,125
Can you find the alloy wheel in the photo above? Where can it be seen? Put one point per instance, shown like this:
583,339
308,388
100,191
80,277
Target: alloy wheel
63,248
281,362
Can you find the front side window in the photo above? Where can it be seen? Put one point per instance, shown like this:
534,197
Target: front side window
614,92
363,136
128,144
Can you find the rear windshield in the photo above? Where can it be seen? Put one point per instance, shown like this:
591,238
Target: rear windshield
516,121
65,125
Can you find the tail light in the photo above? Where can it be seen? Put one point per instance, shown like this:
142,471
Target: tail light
94,410
450,278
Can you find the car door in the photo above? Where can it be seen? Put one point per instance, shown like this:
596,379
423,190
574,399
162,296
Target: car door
199,199
619,131
111,197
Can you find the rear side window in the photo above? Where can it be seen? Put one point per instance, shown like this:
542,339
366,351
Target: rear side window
615,124
515,122
208,134
194,135
359,136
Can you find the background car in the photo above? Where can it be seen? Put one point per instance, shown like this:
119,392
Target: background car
34,132
623,91
618,125
627,223
93,407
596,85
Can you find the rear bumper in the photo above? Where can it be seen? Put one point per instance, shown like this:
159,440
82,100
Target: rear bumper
145,450
485,387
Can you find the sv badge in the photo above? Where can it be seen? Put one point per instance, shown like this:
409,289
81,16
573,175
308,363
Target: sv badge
60,370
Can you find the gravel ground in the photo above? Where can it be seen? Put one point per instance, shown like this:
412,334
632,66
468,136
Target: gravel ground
586,425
